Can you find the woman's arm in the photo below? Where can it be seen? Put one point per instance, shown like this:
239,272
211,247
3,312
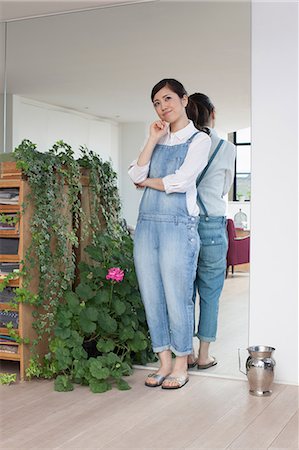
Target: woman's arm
139,168
185,177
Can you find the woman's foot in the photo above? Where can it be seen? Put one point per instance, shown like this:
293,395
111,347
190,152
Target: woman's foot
156,379
204,360
192,361
211,362
179,376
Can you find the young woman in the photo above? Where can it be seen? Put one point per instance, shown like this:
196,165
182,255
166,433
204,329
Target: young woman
213,183
166,241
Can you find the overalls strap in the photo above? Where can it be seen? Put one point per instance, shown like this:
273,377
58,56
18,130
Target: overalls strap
191,138
199,179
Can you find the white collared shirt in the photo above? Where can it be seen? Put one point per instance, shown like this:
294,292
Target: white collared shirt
218,179
184,179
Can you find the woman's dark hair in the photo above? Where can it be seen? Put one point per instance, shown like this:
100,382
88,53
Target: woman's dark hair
199,109
173,84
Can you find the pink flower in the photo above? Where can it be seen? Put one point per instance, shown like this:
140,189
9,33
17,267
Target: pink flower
115,274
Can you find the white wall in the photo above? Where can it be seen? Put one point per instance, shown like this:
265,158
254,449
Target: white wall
133,136
45,124
274,231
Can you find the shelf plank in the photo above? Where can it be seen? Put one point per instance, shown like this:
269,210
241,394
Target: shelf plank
9,208
12,233
5,331
10,343
4,306
10,183
9,258
12,283
10,356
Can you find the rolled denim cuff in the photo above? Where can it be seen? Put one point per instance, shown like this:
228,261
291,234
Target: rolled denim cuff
186,353
205,339
161,349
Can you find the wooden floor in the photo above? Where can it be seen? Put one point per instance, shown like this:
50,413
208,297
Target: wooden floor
208,412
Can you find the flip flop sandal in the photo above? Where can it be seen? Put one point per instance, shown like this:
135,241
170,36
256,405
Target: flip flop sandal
157,377
194,363
181,381
207,366
191,365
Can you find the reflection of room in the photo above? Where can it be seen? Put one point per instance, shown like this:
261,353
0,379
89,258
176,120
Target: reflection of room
43,75
78,96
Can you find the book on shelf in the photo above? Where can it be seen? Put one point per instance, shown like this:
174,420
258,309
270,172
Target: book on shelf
8,348
7,267
9,246
9,196
9,317
7,340
7,295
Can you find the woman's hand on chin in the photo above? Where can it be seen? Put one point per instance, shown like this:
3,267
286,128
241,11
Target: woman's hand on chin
158,129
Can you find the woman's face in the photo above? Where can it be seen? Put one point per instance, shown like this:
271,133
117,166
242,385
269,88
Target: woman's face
169,106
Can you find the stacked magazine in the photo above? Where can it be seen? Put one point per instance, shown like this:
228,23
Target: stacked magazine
9,196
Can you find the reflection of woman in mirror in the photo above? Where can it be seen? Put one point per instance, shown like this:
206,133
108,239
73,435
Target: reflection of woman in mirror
166,242
213,183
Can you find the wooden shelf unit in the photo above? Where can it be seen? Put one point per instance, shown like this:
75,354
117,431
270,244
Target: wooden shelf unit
11,177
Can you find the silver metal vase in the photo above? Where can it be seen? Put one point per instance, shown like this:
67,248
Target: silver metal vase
259,369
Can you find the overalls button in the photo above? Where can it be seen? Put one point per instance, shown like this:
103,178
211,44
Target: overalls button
191,240
213,242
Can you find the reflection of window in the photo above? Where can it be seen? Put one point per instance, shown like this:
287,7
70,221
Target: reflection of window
242,181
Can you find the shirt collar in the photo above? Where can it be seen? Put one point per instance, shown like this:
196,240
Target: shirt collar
184,133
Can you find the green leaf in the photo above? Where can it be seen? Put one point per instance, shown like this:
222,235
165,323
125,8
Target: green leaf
72,302
100,374
64,318
124,289
126,333
139,342
80,368
84,292
107,323
105,346
79,353
63,357
91,313
63,384
63,333
97,387
113,359
119,307
103,296
123,385
87,325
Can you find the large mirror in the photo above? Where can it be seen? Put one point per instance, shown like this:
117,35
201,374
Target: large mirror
86,78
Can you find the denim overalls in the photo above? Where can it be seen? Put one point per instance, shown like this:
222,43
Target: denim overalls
166,247
211,264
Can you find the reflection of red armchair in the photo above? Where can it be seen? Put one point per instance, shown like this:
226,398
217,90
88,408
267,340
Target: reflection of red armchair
238,247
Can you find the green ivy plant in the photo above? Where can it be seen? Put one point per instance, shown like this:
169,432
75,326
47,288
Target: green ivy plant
8,378
101,327
108,314
9,218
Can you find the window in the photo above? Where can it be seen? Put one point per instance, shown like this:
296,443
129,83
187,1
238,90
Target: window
242,180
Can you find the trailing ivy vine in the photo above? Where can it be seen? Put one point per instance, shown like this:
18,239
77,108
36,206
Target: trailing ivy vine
54,179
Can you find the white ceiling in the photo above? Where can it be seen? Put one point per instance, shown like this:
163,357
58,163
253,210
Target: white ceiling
105,62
